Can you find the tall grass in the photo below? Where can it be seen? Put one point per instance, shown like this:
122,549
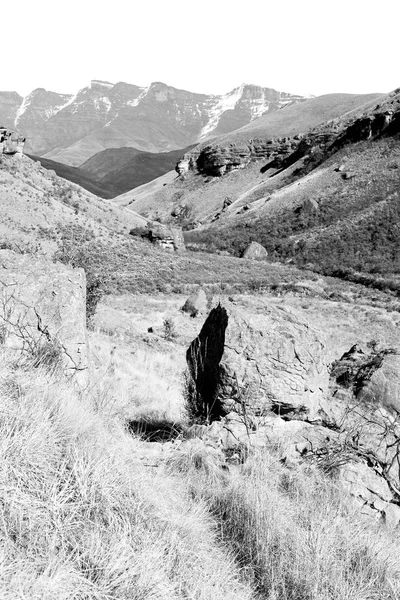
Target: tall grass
297,534
82,518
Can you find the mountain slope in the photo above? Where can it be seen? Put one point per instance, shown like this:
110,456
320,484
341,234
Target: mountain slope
35,204
204,197
334,203
158,118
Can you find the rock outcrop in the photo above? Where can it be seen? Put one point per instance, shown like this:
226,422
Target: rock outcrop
267,361
263,378
43,312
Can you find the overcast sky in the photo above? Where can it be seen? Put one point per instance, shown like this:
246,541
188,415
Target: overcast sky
210,46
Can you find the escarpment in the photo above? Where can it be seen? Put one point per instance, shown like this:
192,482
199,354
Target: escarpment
216,159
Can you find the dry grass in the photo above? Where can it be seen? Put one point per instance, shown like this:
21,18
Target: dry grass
296,532
81,518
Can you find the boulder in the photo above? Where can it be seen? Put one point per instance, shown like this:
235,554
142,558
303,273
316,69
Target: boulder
196,304
260,360
255,251
43,310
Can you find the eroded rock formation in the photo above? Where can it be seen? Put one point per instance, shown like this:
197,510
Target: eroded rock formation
216,159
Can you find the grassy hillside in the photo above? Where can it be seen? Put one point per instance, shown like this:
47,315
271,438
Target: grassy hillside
300,118
89,510
353,221
35,203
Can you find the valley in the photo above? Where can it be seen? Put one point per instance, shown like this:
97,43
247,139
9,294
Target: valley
181,420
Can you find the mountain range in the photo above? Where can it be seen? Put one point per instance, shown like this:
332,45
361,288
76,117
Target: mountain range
70,129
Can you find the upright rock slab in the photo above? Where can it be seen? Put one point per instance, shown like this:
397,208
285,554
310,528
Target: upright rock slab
258,359
44,303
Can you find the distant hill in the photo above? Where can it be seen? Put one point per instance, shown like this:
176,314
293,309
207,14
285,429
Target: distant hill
79,176
122,169
332,204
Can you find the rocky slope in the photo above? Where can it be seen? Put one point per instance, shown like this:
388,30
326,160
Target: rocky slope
159,118
330,199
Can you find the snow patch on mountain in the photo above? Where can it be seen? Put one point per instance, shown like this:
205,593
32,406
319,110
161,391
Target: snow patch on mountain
136,101
22,109
226,102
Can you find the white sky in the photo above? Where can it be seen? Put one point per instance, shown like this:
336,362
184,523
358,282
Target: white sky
209,46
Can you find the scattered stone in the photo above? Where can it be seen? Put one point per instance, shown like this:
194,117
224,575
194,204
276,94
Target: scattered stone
308,208
347,175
